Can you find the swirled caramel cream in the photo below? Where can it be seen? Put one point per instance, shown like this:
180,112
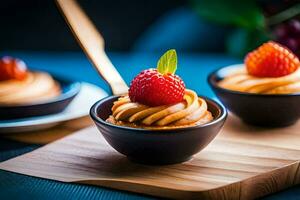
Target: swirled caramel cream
36,87
239,80
191,111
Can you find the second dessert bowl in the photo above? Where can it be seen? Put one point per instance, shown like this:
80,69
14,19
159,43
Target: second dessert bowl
265,90
25,93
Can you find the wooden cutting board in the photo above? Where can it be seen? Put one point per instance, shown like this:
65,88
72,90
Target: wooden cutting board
243,162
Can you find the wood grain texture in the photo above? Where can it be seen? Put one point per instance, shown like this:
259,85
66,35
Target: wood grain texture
243,162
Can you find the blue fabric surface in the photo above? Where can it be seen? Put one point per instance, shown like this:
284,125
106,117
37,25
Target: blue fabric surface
192,68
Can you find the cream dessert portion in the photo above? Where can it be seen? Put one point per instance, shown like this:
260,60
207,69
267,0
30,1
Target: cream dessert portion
158,99
36,87
269,69
240,80
19,86
190,112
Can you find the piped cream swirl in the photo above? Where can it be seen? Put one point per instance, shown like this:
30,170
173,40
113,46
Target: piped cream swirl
239,80
37,86
191,111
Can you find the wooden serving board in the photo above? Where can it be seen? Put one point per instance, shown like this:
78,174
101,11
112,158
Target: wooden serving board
243,162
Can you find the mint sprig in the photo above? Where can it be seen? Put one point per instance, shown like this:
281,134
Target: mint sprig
167,62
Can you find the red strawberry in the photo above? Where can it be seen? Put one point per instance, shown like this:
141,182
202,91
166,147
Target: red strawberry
12,68
154,87
271,60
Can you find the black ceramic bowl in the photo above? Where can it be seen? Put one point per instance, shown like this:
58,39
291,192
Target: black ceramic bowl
157,146
257,109
69,90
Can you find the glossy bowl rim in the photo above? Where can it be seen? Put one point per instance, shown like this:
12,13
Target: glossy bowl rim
216,86
74,90
97,119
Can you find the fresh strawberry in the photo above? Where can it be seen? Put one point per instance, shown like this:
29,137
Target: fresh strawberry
154,87
12,68
271,60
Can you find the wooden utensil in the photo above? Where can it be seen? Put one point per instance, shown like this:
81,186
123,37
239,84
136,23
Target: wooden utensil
92,44
243,162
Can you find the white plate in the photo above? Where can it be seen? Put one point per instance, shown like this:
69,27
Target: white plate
79,107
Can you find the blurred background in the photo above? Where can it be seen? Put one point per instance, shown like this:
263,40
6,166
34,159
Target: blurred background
156,25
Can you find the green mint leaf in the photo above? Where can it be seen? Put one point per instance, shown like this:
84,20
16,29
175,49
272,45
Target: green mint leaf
167,62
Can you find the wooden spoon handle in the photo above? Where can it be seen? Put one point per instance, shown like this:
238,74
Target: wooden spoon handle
92,44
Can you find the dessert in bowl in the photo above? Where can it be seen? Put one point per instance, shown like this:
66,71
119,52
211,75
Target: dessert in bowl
21,86
189,112
263,91
25,93
159,121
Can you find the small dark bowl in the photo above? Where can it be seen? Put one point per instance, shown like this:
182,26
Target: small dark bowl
257,109
157,146
69,90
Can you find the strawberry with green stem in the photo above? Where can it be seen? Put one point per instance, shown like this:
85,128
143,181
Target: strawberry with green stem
160,86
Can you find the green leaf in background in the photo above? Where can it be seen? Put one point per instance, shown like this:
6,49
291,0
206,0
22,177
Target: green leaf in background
284,15
243,13
167,62
242,41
